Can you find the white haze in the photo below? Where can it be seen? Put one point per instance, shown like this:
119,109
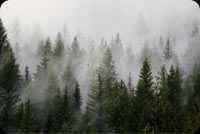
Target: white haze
91,20
104,18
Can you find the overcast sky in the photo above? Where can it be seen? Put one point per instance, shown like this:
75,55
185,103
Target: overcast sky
104,18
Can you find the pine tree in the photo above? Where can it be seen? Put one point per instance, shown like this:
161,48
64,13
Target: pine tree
168,53
163,111
77,99
9,78
175,93
28,124
144,98
75,49
19,115
3,39
49,125
46,54
117,48
110,84
88,124
121,110
59,49
96,103
27,76
68,78
66,112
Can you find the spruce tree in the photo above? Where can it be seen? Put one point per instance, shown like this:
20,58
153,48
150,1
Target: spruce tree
19,115
9,93
77,99
3,39
75,49
27,76
163,109
168,53
144,98
96,103
59,47
175,93
88,124
28,124
65,114
68,78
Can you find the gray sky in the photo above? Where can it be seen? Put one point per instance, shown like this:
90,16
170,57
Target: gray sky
104,18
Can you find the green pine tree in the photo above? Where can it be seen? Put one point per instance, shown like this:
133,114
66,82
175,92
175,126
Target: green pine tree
28,124
77,99
144,98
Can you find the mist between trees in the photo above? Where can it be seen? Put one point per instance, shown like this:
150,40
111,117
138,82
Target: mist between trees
57,86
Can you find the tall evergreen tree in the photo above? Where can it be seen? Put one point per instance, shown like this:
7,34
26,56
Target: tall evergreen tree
3,39
175,93
59,47
163,111
117,48
9,78
168,53
28,124
77,99
19,115
27,76
144,98
65,114
75,49
68,78
88,124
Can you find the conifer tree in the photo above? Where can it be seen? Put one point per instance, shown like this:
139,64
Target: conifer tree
175,93
77,99
163,111
96,103
168,53
28,124
3,39
144,98
68,78
9,78
88,124
65,114
75,49
27,76
59,46
19,115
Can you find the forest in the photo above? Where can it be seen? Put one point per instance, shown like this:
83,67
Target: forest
104,89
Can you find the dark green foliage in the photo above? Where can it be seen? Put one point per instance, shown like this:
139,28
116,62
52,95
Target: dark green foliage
3,38
19,115
88,124
65,113
77,99
96,103
9,78
28,124
144,98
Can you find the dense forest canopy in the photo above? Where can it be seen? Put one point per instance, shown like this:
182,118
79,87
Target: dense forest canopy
147,82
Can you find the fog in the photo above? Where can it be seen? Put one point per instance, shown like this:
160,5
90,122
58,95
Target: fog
104,18
137,21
